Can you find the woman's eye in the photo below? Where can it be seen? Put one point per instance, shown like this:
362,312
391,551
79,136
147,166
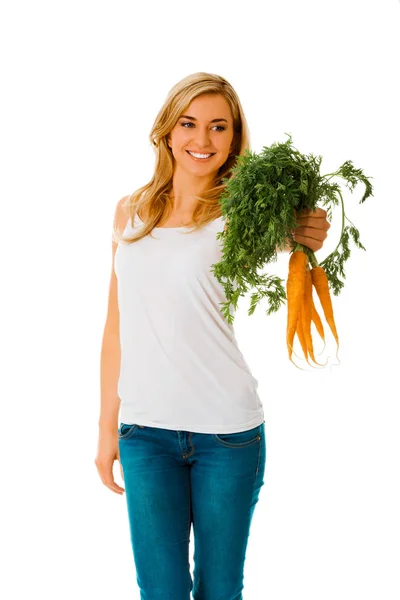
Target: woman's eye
189,123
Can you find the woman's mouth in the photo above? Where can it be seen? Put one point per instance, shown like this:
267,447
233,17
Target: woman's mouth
200,157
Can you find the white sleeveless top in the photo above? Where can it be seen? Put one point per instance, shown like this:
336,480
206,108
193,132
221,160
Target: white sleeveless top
181,367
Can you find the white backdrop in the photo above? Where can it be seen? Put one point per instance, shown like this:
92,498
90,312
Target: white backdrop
81,85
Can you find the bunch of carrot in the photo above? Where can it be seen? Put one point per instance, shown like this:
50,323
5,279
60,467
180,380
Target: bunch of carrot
261,199
301,310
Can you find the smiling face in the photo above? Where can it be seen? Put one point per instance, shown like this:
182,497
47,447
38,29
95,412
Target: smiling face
209,130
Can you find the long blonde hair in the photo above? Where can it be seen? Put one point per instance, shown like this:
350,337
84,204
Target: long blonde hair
155,195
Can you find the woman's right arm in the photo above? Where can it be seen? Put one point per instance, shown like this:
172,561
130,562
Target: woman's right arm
110,360
110,363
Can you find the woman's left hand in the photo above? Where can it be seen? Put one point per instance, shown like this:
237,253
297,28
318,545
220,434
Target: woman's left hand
312,230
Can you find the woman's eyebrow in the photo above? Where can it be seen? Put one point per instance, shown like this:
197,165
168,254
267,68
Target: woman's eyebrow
194,119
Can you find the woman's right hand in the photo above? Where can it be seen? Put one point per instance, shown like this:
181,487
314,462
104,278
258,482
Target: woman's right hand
107,453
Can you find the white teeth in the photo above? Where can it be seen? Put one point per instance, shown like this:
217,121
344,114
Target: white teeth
199,155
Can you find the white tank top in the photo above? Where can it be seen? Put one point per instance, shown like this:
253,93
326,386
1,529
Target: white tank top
181,367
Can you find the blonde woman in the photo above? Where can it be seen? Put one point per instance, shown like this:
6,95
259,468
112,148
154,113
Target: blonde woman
191,439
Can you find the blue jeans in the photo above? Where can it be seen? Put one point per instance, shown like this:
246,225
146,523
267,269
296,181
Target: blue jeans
175,478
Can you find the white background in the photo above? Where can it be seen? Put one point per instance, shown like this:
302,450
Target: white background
81,85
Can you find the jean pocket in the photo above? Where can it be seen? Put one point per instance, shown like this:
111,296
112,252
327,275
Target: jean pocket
126,430
239,439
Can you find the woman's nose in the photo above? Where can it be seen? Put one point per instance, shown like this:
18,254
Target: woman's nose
203,138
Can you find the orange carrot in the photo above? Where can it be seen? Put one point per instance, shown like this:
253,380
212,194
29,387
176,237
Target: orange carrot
306,316
321,284
294,293
300,330
317,320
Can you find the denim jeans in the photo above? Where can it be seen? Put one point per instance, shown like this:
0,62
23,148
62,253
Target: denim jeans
175,478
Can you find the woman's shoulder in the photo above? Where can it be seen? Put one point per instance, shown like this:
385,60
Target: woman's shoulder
122,214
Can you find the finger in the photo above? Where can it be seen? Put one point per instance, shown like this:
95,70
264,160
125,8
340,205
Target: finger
310,232
106,476
112,485
318,212
317,222
311,243
116,488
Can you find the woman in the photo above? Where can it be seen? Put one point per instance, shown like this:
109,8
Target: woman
191,440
